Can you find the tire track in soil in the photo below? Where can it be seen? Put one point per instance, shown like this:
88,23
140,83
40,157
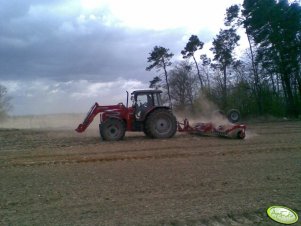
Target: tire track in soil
175,152
258,218
174,149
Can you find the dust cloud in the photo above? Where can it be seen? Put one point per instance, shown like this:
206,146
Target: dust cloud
205,111
51,121
250,134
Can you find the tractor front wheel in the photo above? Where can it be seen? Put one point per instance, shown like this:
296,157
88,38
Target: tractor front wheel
161,124
112,129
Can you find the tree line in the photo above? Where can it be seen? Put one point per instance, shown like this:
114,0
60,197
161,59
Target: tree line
264,80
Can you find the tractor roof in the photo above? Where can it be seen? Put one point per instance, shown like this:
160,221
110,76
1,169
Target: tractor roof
146,91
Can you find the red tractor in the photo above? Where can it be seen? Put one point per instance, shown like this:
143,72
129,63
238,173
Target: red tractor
146,114
149,115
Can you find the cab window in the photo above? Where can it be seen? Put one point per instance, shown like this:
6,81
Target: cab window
157,100
141,100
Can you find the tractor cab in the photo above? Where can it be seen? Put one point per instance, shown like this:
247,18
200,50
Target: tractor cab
143,101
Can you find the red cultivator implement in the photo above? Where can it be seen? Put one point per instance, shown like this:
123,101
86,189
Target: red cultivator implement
209,129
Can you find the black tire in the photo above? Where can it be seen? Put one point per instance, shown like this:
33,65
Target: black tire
146,132
233,115
112,129
161,123
241,135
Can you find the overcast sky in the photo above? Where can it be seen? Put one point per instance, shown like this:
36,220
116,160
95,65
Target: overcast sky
61,56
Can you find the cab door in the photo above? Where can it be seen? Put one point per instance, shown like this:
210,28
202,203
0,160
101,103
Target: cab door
143,104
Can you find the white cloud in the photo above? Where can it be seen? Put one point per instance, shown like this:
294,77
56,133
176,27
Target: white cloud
191,15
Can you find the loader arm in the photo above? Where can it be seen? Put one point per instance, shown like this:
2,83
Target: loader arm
95,109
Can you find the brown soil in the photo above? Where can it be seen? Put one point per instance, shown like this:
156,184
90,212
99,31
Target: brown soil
59,177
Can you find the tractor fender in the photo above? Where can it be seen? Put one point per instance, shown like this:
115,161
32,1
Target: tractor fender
111,115
152,110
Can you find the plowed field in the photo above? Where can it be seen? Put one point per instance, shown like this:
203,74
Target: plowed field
59,177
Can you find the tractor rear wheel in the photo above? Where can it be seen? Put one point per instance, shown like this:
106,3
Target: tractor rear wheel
112,129
161,124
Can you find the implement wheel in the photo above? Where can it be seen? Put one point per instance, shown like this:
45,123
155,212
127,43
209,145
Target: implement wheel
112,129
241,135
161,123
233,115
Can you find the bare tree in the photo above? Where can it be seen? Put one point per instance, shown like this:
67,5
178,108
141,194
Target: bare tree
206,62
183,85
